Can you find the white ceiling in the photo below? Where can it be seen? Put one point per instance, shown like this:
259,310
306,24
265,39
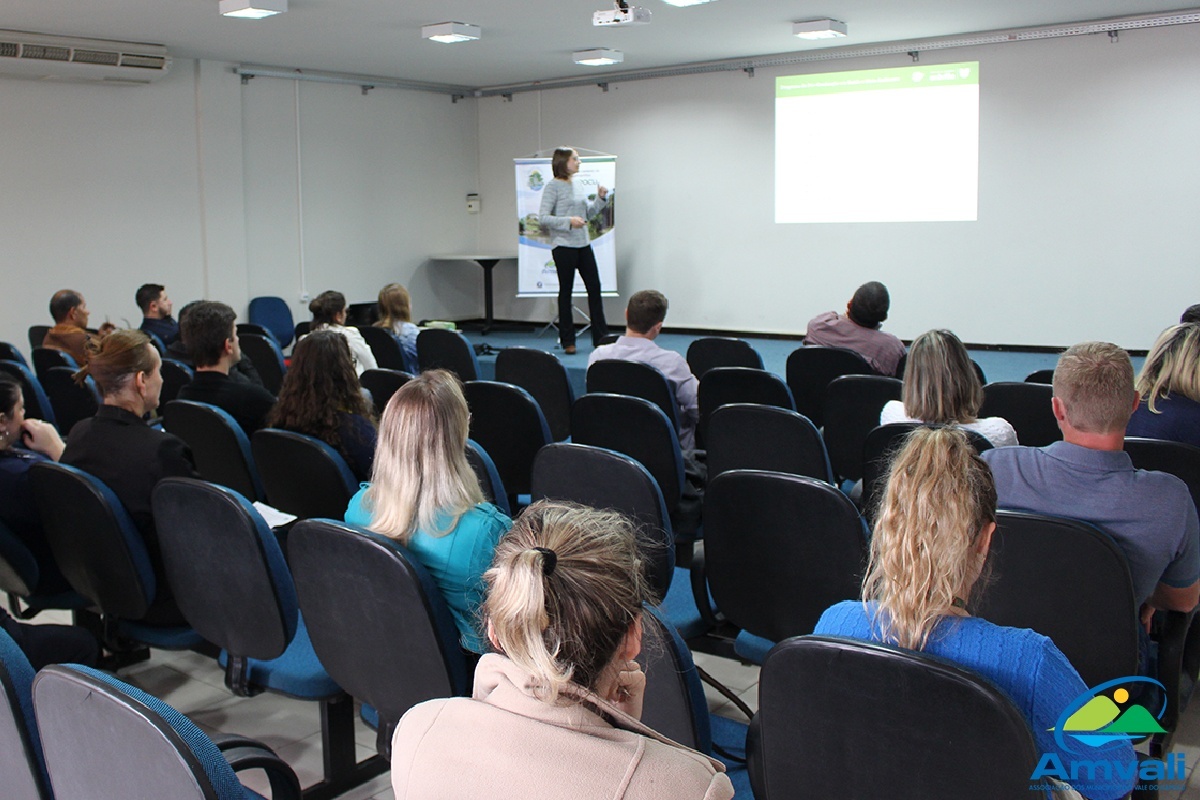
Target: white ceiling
524,41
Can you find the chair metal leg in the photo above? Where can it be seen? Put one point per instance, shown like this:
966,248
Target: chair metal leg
342,772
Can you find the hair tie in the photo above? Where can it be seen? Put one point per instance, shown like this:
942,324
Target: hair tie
549,560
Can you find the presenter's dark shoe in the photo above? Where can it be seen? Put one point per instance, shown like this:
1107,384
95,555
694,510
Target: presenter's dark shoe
569,349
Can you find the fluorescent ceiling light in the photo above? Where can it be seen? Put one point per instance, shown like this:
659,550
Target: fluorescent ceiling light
451,32
252,9
600,57
682,3
819,29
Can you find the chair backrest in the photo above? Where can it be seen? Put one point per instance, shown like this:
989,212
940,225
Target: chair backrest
377,621
600,478
384,346
709,352
157,342
636,427
273,314
543,376
749,436
881,446
507,422
489,477
841,718
635,379
811,369
301,474
21,761
442,349
220,448
37,335
724,385
71,402
37,404
225,567
1091,616
267,358
852,407
9,352
1179,459
19,569
1026,406
302,328
176,375
1040,376
46,357
779,550
105,738
673,702
94,540
382,384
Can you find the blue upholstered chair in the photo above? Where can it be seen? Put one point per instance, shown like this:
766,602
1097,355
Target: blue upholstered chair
489,478
273,314
543,376
10,352
508,423
37,404
267,357
72,402
301,474
635,379
26,580
219,445
442,349
21,761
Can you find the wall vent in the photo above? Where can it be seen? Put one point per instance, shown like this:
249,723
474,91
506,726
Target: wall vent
44,57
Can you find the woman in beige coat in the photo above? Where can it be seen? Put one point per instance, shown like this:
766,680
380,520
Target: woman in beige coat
555,710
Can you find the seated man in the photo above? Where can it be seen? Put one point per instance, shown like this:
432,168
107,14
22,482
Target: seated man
156,312
211,334
1089,477
643,323
859,329
69,333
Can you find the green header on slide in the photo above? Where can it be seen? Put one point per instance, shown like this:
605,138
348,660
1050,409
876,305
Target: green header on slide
870,80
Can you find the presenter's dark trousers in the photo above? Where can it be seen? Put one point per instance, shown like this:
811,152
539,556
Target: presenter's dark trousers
566,261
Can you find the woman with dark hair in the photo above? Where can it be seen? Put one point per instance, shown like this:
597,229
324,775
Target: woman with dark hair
321,397
395,316
556,708
329,313
565,211
122,450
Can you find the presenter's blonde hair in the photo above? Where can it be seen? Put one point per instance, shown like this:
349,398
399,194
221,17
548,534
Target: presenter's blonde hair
1173,366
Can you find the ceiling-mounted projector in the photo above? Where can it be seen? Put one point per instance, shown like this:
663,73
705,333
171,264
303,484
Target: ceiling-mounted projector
623,14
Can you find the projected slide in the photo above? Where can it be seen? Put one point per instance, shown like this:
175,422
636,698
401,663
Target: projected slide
882,145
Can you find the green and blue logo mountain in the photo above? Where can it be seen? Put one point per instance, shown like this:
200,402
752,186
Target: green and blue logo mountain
1105,713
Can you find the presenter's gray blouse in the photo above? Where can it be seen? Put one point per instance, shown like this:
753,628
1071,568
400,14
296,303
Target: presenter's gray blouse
562,200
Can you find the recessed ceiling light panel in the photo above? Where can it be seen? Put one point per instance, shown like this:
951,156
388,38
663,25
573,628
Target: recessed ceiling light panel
682,3
451,32
819,29
252,9
599,57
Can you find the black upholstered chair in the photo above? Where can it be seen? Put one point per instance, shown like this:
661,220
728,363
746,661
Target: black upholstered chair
244,328
1040,376
489,477
723,385
507,422
673,702
842,718
543,376
749,436
442,349
33,582
377,620
234,587
273,314
384,346
175,375
302,329
37,335
37,404
71,401
105,738
267,358
382,384
1179,459
881,445
45,358
1026,406
302,475
811,369
778,550
601,478
632,378
852,407
219,446
709,352
21,761
9,352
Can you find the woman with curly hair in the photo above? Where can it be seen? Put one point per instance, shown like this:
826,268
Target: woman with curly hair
321,397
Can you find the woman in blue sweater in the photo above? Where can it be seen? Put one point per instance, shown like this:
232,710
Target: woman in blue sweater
930,543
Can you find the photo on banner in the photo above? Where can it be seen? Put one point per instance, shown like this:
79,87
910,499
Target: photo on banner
536,276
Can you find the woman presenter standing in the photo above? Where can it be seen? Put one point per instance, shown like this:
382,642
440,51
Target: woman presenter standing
566,208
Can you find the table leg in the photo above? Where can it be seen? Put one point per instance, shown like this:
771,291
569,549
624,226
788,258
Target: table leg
488,300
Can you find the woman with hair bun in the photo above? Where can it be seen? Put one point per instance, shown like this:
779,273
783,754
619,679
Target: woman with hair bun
555,710
928,550
1169,384
329,313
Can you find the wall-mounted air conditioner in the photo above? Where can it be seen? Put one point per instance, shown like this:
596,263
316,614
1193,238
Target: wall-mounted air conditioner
59,58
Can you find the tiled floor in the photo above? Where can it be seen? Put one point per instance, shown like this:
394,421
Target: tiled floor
194,685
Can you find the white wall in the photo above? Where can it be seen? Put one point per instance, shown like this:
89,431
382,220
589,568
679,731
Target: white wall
1089,185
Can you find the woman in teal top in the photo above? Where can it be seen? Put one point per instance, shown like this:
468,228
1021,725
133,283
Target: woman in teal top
424,494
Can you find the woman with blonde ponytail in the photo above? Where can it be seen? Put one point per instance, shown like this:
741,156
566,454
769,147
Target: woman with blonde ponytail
928,552
555,710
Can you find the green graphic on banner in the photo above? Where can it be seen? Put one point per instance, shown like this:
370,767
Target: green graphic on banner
915,77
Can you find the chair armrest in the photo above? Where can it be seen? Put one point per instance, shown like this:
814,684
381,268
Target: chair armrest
1171,631
754,765
708,614
284,783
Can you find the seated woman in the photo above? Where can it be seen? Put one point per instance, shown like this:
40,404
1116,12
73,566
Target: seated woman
555,711
1170,388
424,494
119,448
395,315
930,544
940,386
329,313
321,397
